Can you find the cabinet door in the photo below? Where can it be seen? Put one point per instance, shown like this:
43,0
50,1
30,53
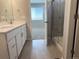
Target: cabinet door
3,48
25,33
22,39
19,44
12,48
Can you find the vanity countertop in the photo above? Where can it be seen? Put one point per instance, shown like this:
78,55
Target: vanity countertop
9,27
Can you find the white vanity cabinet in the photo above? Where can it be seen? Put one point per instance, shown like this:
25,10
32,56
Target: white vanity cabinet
12,43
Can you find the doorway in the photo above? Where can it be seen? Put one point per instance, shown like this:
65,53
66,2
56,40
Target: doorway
38,18
48,21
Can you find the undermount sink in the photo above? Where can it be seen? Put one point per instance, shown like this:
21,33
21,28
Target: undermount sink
5,26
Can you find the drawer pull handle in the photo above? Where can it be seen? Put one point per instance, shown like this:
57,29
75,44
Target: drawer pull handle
15,57
21,34
15,37
13,45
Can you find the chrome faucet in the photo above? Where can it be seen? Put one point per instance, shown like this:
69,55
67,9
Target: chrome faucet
11,19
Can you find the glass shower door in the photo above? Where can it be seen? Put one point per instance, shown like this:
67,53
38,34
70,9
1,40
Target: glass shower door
55,16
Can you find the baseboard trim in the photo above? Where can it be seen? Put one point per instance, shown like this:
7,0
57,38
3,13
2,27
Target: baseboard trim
59,46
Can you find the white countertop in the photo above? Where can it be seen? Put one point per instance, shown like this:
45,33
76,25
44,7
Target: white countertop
8,27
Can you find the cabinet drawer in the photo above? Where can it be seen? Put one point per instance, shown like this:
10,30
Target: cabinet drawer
12,34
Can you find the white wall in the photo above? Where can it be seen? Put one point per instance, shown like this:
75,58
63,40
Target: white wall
70,8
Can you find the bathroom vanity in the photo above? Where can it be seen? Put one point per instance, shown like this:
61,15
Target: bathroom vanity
12,40
15,27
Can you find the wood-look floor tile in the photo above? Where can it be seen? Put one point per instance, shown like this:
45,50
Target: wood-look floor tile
38,49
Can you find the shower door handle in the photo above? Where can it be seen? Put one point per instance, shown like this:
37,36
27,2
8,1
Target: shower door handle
45,21
53,0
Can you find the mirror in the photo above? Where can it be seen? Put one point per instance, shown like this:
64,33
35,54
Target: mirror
19,9
5,10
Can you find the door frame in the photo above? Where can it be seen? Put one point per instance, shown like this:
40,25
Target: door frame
69,22
48,21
